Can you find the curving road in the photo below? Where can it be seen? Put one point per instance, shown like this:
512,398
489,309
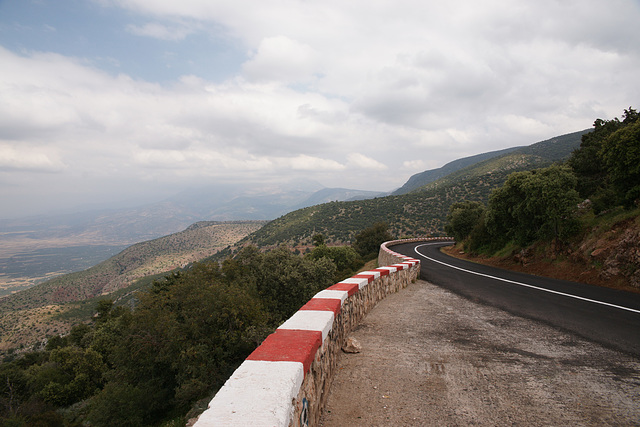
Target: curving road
609,317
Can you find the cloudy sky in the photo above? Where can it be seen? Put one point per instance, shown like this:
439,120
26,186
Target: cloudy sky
130,101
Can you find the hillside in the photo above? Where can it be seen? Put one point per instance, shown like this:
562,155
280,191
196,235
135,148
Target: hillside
578,221
420,212
537,155
423,178
31,313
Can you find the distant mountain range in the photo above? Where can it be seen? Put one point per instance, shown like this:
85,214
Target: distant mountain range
214,203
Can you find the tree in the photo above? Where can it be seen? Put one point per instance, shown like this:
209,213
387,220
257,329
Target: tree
184,338
103,307
367,242
71,374
78,334
462,218
586,161
606,162
118,404
345,258
533,205
318,239
621,155
286,282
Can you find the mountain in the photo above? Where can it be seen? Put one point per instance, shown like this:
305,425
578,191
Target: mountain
160,255
423,178
496,169
420,212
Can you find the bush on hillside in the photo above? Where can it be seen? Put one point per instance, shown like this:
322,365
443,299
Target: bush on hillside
345,258
367,242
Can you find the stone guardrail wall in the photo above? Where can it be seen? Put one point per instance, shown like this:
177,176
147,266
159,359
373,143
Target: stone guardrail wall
285,381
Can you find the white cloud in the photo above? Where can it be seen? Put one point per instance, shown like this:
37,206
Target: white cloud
303,162
29,159
362,161
414,165
413,84
282,59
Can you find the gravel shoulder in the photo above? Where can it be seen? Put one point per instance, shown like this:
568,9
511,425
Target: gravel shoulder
432,358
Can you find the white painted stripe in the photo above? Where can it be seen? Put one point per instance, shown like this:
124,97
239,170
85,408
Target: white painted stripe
310,320
390,268
376,274
551,291
360,281
259,393
333,294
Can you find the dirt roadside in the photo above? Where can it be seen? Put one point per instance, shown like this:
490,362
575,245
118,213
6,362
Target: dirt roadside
442,360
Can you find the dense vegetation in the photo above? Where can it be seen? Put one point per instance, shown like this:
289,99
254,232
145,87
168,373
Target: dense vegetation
185,336
543,204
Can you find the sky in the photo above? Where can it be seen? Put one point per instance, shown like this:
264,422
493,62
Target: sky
123,102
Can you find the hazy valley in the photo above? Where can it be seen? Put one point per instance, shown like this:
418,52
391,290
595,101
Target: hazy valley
36,249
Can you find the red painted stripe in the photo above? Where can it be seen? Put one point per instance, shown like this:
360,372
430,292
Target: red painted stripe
286,345
383,272
371,277
323,304
351,288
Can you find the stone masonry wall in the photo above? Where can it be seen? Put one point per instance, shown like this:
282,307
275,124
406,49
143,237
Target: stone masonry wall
285,381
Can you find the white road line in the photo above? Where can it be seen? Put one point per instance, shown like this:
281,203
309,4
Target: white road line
522,284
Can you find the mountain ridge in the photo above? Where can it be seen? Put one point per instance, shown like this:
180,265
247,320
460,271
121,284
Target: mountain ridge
423,178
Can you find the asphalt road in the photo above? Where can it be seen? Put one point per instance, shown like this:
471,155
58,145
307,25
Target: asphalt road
606,316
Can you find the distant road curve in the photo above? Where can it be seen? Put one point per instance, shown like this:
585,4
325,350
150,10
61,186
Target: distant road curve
607,316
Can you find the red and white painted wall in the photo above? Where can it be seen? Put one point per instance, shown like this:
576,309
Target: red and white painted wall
285,381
